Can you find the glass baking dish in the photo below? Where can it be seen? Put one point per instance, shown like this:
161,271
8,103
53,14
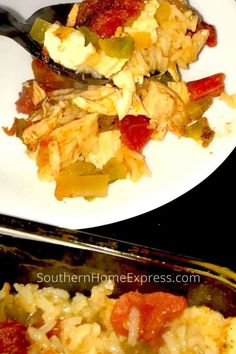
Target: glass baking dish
79,263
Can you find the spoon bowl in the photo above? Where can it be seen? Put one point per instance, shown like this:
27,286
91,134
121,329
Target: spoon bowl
19,30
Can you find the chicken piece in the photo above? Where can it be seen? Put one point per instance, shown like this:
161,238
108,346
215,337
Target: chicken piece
111,101
65,94
164,107
70,112
77,139
158,100
57,110
67,144
46,121
38,93
100,99
181,89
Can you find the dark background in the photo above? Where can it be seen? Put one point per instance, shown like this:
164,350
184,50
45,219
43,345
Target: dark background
201,223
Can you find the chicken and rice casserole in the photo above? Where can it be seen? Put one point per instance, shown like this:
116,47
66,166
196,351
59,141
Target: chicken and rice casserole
86,136
48,321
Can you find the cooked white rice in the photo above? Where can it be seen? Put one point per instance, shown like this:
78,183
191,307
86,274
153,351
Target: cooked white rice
85,325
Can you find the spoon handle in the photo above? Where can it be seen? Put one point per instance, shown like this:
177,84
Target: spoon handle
15,29
9,25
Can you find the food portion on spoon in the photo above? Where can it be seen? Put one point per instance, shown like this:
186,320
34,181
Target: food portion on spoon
86,137
125,42
105,38
95,39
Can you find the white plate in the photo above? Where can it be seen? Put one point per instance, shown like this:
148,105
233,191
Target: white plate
177,165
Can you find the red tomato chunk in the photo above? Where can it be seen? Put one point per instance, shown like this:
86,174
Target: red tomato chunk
209,86
106,24
135,132
13,338
105,16
25,102
212,38
156,310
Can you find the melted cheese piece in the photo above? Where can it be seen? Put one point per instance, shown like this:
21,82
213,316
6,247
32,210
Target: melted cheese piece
69,51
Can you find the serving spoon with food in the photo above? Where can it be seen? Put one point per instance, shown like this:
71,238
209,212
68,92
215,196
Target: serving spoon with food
19,31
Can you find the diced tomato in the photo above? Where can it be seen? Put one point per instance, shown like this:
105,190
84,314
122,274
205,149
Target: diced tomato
212,38
106,24
12,130
209,86
105,16
155,309
13,338
17,128
135,132
88,9
25,103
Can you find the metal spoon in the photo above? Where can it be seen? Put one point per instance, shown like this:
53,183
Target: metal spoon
18,30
